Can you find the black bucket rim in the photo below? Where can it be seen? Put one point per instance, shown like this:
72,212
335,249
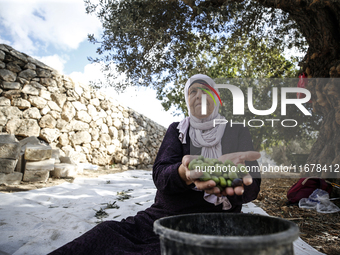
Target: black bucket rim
285,237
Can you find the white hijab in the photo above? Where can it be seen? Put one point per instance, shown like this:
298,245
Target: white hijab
203,134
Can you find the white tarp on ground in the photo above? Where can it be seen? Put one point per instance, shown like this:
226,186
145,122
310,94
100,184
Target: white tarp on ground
39,221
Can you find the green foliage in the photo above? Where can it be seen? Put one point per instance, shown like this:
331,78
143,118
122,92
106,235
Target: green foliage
150,41
283,151
161,43
247,58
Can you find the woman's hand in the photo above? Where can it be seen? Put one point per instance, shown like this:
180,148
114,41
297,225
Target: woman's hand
239,158
193,176
210,186
183,169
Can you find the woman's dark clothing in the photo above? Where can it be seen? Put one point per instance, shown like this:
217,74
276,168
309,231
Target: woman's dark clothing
134,235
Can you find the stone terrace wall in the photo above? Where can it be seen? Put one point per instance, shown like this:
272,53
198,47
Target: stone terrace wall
35,100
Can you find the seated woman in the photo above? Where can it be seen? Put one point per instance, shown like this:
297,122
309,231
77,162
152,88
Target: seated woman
178,191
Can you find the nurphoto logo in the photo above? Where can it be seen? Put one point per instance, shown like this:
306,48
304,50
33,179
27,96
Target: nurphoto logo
239,102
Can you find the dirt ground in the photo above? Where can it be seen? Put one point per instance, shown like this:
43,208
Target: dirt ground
322,231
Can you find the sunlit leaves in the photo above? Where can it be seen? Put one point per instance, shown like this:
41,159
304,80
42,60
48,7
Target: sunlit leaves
150,40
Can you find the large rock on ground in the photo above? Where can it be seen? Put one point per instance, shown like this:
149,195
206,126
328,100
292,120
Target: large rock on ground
64,170
36,176
38,152
7,166
10,179
45,165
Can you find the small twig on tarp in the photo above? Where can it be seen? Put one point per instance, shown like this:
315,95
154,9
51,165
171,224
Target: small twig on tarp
113,205
101,214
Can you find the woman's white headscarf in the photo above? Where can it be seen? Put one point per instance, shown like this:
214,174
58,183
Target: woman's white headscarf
203,134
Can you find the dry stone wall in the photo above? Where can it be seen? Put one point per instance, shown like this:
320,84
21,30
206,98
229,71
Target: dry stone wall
84,124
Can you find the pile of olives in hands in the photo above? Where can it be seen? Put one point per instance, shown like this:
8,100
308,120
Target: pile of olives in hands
224,174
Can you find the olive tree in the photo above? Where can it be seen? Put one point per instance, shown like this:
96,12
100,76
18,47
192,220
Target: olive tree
150,40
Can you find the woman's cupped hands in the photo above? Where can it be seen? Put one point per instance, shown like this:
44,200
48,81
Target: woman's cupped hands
210,186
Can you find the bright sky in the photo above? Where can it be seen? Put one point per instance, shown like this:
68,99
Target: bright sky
55,32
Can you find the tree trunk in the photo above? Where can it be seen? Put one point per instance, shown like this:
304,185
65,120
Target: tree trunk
319,22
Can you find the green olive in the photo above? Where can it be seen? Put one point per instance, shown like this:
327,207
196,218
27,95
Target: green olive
200,158
215,160
218,170
194,166
192,162
223,182
210,162
229,162
204,167
215,179
205,177
233,175
242,170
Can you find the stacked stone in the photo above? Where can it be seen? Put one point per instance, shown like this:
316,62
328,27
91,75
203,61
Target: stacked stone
39,162
66,168
9,154
87,126
32,160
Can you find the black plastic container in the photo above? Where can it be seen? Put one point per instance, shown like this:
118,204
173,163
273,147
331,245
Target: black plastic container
225,233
